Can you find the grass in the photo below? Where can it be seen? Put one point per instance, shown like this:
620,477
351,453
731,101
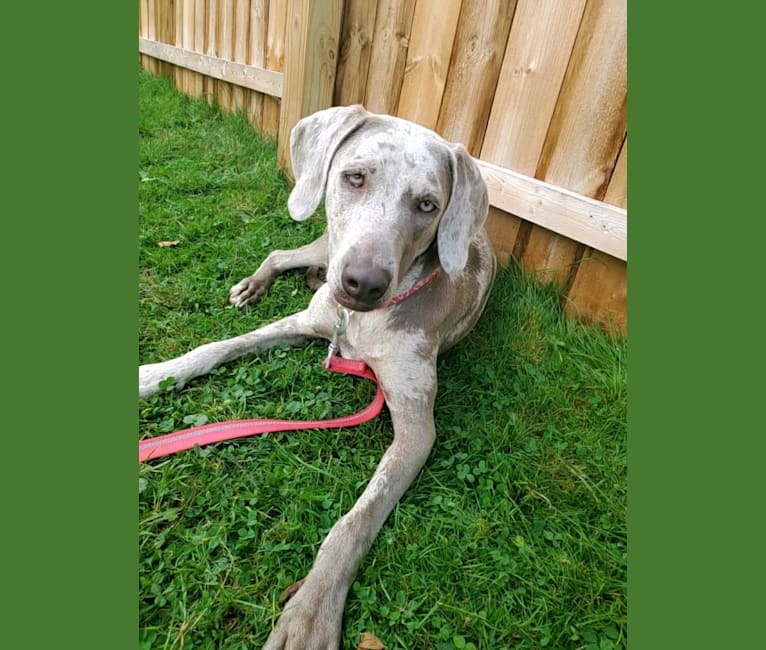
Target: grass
513,535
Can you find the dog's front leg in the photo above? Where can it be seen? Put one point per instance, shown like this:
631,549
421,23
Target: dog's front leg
312,619
254,287
316,321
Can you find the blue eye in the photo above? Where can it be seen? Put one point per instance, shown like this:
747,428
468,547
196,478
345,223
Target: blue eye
426,206
356,180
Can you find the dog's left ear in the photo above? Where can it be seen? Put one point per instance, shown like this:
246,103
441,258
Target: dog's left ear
313,143
466,211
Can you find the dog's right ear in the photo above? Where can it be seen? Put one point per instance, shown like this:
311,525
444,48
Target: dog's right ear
313,143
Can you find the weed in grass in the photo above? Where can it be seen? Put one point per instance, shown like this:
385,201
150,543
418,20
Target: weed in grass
513,535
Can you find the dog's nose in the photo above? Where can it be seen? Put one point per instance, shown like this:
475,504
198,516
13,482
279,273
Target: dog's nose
365,284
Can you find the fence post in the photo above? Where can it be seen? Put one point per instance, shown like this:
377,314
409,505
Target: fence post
312,40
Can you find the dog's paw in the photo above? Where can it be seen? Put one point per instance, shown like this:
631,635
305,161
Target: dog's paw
311,621
249,291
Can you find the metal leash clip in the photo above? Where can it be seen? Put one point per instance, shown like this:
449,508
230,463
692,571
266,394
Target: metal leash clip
340,329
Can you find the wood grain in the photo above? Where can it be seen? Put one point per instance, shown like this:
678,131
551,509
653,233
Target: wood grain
211,46
355,50
535,62
474,68
503,229
240,16
393,22
428,57
143,30
311,56
587,129
585,220
617,191
265,81
599,292
192,80
274,60
225,41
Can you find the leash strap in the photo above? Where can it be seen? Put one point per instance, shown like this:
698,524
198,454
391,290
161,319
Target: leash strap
206,434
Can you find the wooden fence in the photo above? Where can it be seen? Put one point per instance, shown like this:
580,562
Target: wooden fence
535,89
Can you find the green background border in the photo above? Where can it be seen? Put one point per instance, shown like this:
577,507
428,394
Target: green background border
70,304
696,356
695,488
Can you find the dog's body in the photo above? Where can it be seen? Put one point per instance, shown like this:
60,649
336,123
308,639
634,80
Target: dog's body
400,203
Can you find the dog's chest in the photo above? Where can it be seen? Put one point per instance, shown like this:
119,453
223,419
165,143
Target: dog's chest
368,336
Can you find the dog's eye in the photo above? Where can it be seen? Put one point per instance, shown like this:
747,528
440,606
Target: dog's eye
355,179
426,206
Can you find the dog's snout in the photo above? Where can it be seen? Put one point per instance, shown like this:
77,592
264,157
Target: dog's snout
365,284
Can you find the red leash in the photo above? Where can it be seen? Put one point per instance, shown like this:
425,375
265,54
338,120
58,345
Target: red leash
206,434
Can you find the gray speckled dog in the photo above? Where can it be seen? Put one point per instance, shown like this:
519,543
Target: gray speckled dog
400,203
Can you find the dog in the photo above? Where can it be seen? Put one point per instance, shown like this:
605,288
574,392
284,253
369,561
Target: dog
406,254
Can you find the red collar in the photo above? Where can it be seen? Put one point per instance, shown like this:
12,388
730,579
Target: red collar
414,288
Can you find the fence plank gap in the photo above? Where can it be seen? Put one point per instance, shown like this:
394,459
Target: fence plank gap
599,292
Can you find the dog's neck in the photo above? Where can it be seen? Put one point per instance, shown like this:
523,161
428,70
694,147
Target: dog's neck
424,269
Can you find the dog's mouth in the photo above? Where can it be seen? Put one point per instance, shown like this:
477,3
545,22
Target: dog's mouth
348,302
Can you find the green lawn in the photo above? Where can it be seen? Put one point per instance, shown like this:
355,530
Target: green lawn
513,535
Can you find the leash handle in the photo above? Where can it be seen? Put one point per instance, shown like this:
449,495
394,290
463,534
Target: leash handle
206,434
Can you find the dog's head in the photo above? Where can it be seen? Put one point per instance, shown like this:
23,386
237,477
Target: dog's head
391,189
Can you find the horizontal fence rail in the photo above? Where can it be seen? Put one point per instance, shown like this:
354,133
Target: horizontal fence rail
590,222
239,74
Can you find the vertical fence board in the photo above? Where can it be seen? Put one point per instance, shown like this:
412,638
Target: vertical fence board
589,124
256,55
536,59
393,23
241,36
428,57
151,33
225,42
535,62
587,129
355,49
211,46
199,42
181,75
599,292
165,33
193,80
311,58
274,60
503,229
477,56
